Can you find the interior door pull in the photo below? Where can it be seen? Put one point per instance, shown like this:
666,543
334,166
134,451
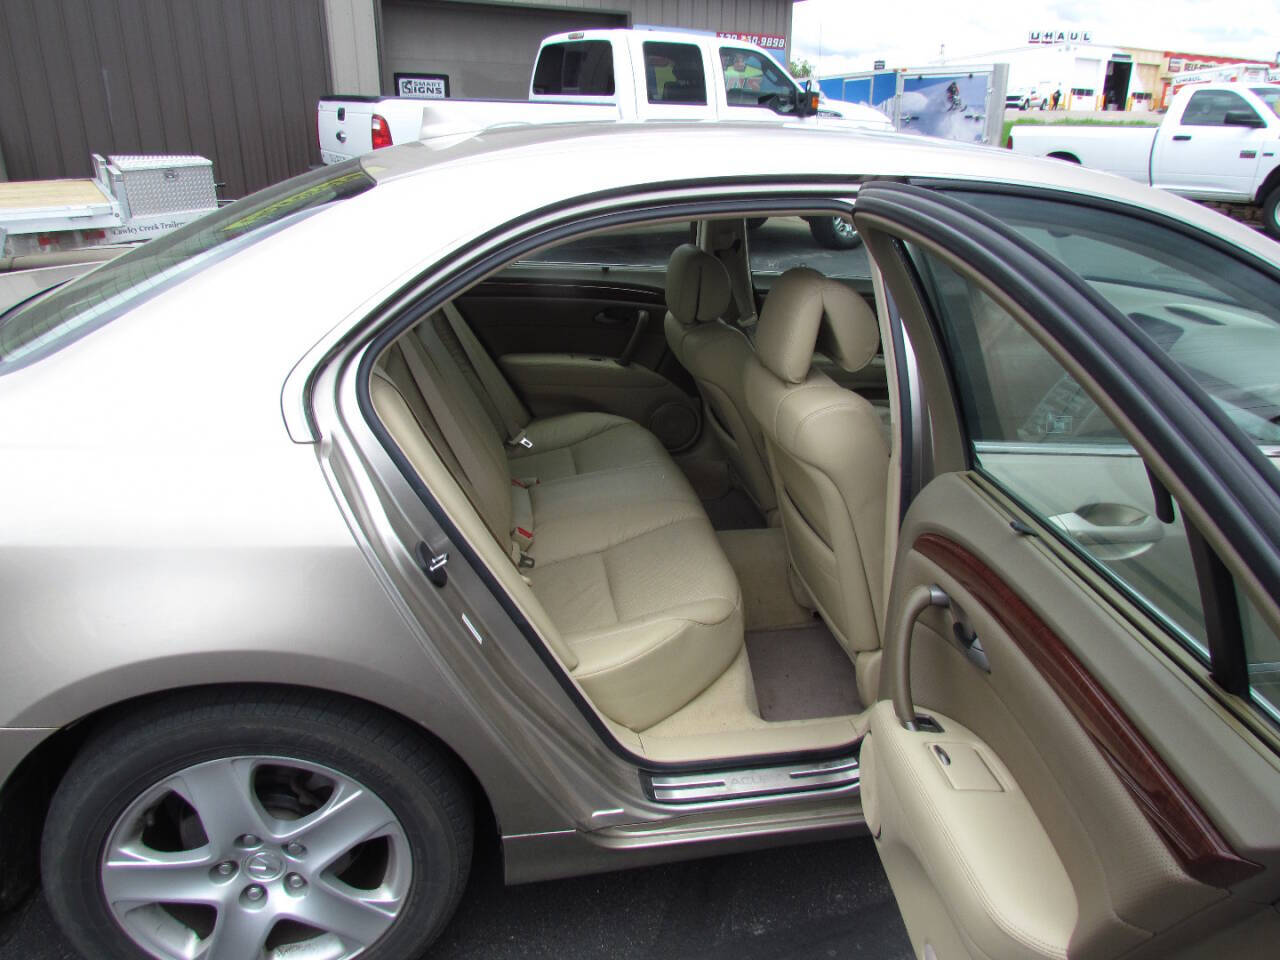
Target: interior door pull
607,319
919,600
642,321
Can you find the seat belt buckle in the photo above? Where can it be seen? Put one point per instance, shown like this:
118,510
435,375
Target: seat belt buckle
520,440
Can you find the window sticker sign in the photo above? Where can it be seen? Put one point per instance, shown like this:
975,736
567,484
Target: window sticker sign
775,44
770,41
422,86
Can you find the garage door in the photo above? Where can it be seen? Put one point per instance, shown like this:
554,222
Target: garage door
485,50
233,81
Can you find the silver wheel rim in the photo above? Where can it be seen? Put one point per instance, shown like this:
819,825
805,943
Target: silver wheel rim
256,858
843,228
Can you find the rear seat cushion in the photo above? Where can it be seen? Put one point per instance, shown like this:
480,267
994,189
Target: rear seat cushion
575,443
648,603
625,562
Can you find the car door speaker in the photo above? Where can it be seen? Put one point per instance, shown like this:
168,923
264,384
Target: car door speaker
675,424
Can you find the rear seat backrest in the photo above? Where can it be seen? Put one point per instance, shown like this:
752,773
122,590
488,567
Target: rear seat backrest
614,548
480,452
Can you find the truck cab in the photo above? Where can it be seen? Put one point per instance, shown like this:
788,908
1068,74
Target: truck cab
673,75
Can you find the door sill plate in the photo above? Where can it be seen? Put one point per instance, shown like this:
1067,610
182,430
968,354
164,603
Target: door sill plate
841,772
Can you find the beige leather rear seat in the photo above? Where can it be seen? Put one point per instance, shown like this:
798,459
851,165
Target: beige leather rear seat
609,536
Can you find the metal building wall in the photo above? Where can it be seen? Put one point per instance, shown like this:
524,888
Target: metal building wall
487,48
743,16
232,80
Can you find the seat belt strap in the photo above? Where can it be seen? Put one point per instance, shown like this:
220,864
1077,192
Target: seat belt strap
510,410
417,358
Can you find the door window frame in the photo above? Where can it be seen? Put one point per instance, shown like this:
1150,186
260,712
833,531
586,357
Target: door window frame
1083,353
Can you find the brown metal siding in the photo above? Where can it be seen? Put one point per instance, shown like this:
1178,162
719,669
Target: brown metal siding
486,50
232,80
744,16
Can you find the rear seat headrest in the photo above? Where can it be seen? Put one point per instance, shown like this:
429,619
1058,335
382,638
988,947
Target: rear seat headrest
806,311
697,285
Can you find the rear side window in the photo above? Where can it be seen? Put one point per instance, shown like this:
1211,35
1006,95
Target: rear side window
1209,108
584,69
673,73
46,324
1270,96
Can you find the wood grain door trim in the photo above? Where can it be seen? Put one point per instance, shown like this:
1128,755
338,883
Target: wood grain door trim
1174,814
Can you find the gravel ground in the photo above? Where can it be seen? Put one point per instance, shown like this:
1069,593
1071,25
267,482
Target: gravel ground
816,902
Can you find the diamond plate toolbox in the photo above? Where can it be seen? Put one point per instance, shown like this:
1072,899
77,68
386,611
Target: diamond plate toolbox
152,185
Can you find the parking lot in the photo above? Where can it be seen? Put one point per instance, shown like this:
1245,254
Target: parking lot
813,902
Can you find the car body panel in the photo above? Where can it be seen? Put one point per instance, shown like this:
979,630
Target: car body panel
155,464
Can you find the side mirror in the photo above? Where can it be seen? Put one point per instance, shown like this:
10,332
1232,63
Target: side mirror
806,100
1242,118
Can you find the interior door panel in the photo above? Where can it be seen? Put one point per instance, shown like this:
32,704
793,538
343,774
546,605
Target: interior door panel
1105,809
571,343
949,832
1097,794
556,383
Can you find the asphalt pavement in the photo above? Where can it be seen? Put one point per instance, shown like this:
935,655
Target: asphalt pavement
827,901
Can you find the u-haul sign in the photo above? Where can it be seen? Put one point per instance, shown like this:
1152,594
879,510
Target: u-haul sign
1059,36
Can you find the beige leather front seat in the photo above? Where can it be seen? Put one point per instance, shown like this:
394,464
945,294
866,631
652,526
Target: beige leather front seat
826,448
716,355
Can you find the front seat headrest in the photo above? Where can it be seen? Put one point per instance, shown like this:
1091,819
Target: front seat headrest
806,311
697,285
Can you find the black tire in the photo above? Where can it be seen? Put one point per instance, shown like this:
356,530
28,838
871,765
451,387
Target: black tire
833,233
422,787
755,223
1271,213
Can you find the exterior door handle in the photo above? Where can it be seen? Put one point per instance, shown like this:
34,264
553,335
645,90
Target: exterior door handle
1178,137
1111,531
342,137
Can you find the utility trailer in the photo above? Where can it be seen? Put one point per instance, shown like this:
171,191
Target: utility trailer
128,199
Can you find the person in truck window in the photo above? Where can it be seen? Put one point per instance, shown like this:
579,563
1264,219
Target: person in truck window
739,74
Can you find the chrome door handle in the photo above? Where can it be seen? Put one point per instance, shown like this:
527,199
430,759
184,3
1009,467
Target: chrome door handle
1113,531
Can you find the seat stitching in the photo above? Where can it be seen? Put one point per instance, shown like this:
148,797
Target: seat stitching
608,587
635,536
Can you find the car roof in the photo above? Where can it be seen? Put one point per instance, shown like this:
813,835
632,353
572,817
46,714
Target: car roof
515,165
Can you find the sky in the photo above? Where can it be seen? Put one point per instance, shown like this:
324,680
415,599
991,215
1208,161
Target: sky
849,35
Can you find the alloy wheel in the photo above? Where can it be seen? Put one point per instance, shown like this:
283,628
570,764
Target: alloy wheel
256,858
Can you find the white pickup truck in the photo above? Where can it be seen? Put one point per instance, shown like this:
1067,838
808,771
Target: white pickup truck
610,76
1219,142
604,75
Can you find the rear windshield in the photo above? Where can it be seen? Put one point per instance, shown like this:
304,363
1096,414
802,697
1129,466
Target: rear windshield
583,69
47,323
